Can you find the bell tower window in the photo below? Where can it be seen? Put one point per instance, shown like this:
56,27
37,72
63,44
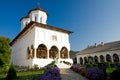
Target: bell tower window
40,19
36,19
26,23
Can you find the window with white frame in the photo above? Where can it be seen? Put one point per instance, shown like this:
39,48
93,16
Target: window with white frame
54,38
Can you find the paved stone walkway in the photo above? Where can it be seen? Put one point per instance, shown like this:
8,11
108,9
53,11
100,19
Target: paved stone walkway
67,74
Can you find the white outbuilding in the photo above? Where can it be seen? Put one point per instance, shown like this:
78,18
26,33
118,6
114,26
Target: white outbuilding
104,52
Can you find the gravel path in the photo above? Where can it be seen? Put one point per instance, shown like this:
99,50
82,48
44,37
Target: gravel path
67,74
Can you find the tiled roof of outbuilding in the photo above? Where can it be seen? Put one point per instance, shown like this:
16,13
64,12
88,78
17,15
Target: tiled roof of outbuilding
101,48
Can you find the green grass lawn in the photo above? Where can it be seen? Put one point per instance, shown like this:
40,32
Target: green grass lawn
29,75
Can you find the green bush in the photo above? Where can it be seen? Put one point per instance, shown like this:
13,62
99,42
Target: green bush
115,75
52,64
88,65
91,65
35,67
11,75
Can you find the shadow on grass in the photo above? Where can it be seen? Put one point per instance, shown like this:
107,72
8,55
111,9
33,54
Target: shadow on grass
26,77
29,77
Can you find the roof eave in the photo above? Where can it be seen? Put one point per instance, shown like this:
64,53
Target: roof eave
38,24
27,26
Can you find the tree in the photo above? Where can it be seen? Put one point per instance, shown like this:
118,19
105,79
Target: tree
11,75
5,51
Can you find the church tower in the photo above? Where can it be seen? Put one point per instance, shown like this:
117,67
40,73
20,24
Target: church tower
39,43
36,15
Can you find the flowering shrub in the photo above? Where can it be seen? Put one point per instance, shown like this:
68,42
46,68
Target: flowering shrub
118,65
94,73
75,68
35,67
78,69
83,72
52,73
115,75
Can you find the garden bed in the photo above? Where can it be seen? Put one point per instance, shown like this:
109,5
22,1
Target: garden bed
97,71
23,75
49,72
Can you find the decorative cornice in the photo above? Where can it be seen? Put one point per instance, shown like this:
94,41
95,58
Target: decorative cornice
33,24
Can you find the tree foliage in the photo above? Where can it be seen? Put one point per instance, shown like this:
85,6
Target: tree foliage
11,75
5,51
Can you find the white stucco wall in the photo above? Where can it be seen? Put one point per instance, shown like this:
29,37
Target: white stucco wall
44,36
98,55
19,49
35,37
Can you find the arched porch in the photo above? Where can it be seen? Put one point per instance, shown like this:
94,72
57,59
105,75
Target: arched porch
53,52
64,53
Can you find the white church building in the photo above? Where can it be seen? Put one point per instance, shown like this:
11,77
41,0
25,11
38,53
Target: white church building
39,43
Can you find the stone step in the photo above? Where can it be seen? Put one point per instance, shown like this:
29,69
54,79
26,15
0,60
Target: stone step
62,65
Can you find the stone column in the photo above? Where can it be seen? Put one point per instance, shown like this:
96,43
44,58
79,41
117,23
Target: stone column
98,58
111,58
59,55
77,58
48,54
105,58
83,59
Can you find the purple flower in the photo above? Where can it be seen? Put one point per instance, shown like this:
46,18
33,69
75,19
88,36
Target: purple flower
76,68
118,65
94,73
52,73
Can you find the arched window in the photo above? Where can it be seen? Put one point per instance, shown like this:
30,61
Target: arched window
42,51
90,59
53,52
41,19
75,60
102,59
81,60
85,60
64,53
115,58
108,58
36,19
96,59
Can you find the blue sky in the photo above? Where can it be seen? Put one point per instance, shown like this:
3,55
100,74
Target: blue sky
92,21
